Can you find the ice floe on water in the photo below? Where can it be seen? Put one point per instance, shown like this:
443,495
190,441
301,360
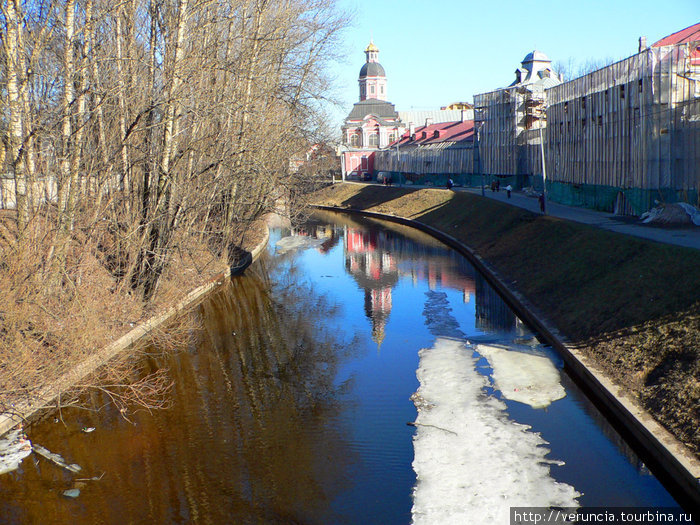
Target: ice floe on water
296,242
472,463
522,376
14,447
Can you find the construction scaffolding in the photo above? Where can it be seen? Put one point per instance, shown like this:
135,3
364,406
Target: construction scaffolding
627,135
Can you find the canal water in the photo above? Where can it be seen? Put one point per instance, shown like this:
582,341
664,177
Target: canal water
361,372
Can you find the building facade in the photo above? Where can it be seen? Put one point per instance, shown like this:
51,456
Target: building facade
509,122
431,154
373,122
627,135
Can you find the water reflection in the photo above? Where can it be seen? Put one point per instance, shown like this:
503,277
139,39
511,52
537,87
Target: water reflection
283,412
247,439
378,254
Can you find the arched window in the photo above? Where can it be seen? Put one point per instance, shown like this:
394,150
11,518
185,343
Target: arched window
355,140
374,140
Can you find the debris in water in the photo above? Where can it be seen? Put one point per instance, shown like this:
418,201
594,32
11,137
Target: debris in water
71,493
94,478
56,458
87,430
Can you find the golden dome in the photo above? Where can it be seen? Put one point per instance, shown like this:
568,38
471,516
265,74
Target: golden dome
371,47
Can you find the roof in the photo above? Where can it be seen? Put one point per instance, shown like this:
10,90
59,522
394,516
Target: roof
378,108
437,115
535,56
689,34
372,69
536,68
442,132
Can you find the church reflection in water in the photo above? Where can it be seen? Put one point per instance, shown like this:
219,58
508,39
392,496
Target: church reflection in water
377,258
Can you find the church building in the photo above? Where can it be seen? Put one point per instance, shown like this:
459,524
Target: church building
373,122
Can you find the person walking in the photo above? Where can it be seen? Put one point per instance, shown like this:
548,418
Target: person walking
449,183
541,201
509,188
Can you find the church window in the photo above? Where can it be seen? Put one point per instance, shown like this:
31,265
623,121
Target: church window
362,90
355,141
371,89
374,140
381,89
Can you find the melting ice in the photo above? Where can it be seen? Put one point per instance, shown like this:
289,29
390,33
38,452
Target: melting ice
472,463
295,242
14,447
522,376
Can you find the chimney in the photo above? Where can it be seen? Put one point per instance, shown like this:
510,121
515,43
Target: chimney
464,115
411,129
642,43
428,121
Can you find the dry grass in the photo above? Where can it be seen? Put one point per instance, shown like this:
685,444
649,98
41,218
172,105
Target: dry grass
48,326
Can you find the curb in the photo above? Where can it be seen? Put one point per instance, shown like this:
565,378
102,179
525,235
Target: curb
675,466
27,410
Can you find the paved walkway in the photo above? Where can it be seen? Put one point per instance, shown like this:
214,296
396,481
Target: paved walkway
688,236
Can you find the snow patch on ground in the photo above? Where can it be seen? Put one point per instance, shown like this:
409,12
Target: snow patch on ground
523,377
472,463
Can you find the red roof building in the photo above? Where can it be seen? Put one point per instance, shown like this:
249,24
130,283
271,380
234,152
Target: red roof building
689,34
438,134
684,36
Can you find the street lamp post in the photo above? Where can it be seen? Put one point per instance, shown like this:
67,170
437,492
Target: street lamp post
478,151
544,175
398,162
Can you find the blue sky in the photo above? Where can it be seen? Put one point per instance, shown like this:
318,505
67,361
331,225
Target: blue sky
441,51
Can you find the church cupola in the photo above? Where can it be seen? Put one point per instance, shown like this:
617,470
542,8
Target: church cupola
372,52
372,77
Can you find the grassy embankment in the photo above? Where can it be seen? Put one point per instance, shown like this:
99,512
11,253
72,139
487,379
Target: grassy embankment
632,306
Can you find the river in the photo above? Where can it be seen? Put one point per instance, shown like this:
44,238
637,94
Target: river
360,372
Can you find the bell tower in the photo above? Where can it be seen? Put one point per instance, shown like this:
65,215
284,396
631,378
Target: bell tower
372,76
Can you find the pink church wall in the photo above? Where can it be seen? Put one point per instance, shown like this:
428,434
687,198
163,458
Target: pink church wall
359,164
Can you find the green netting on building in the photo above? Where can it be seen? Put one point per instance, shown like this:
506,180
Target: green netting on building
629,201
612,199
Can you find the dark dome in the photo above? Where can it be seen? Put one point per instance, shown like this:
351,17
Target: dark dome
372,69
